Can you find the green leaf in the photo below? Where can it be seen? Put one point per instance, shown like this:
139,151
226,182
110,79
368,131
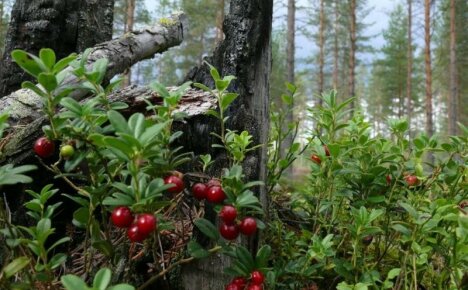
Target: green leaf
228,99
245,258
196,250
136,122
80,217
221,85
122,287
30,86
64,62
152,132
102,279
57,260
47,56
104,247
118,122
261,260
160,89
202,86
15,266
28,62
48,81
206,227
71,105
72,282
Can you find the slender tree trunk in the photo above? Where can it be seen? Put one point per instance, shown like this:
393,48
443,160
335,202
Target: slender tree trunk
219,21
290,75
453,96
335,47
246,53
129,22
352,53
321,47
428,67
409,75
66,26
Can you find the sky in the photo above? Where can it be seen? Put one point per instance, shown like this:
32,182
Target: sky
378,19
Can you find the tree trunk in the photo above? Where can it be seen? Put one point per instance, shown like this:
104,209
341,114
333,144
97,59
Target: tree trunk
428,67
219,22
352,53
409,75
453,96
321,48
129,21
335,47
245,53
290,77
65,26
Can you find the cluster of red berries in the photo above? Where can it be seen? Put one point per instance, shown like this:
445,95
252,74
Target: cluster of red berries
230,229
240,283
211,191
138,228
315,158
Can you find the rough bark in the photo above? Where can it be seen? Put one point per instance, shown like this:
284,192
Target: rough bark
453,96
428,67
245,53
24,106
219,21
66,26
129,21
352,52
409,71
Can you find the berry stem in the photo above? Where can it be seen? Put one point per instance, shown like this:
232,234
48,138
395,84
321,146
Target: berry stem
172,266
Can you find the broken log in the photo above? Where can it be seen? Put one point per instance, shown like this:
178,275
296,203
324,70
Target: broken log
16,147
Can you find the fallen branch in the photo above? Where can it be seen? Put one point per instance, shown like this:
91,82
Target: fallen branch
24,106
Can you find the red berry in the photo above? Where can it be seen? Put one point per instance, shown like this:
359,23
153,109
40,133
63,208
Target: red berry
239,281
122,217
199,191
228,214
213,182
257,277
248,226
229,232
316,159
327,151
411,180
254,287
134,234
233,286
389,179
178,184
367,240
44,147
215,194
146,223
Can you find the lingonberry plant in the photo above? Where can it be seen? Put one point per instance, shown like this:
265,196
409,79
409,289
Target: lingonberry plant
375,212
121,176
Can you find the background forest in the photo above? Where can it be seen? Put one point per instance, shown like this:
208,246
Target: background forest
402,71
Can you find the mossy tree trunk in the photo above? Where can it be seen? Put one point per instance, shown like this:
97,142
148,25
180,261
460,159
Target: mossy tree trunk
245,53
66,26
